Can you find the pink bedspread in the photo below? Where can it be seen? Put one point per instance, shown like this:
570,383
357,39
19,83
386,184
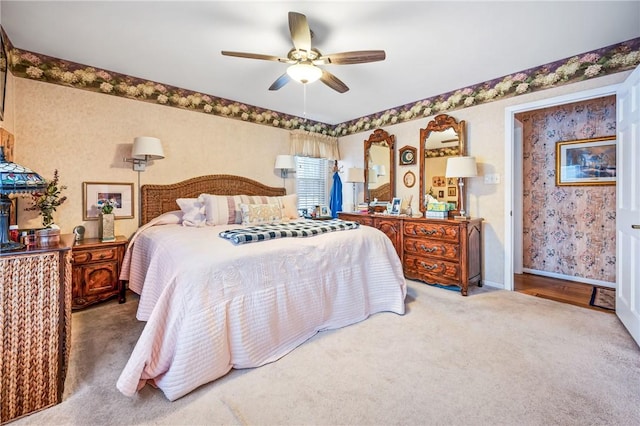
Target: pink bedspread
211,306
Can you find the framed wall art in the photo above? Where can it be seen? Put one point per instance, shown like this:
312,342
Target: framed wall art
586,162
407,155
3,75
409,179
451,191
93,193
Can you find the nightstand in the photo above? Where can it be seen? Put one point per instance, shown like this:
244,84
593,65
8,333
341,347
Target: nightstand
96,270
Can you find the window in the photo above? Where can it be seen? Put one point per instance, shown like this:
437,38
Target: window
311,182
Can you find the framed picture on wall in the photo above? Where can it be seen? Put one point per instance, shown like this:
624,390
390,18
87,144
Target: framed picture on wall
451,191
95,193
586,162
407,155
3,75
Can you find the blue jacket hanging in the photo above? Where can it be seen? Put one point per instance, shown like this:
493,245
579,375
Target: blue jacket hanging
335,197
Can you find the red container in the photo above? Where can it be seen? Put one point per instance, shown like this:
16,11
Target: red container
14,235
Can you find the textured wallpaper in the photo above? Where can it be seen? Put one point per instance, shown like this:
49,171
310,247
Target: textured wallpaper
568,230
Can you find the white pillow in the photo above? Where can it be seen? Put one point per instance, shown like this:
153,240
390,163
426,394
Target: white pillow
255,214
193,213
289,204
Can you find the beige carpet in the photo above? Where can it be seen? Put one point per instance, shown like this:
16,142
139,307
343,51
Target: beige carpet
492,358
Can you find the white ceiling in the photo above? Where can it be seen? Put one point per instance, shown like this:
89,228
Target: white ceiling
432,47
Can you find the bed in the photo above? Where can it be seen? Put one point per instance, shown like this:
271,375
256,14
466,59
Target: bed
210,305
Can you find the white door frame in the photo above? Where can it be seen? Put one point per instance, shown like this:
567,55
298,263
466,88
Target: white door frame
514,174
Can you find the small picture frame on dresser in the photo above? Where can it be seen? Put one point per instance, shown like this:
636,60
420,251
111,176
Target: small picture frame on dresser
395,206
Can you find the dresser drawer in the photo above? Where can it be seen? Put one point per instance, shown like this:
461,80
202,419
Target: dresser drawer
95,255
442,231
432,270
361,219
432,248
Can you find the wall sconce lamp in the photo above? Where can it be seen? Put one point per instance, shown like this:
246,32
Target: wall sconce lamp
145,149
372,175
461,167
380,169
14,179
285,163
355,175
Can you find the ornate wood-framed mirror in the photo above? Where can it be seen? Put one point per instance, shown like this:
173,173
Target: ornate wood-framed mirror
379,169
442,138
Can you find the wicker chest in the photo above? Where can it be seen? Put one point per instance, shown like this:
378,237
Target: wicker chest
35,321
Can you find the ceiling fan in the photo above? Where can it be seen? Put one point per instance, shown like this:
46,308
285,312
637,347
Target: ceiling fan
304,59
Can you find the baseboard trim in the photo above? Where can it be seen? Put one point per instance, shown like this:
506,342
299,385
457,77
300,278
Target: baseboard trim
493,284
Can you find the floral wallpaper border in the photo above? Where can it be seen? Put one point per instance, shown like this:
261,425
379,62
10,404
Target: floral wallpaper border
608,60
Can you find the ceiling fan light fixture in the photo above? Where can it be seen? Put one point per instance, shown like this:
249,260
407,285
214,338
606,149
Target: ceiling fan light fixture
304,72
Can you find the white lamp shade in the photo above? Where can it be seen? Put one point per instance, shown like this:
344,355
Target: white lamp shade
461,167
304,73
147,147
373,175
285,162
355,175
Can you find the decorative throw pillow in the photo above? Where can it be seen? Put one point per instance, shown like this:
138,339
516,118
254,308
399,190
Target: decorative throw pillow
193,213
255,214
223,209
288,204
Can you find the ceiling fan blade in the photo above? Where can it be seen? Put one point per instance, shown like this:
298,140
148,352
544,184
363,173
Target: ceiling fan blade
334,82
280,81
253,56
300,32
348,58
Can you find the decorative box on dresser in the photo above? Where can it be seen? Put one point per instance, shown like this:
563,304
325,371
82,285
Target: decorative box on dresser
96,271
35,331
436,251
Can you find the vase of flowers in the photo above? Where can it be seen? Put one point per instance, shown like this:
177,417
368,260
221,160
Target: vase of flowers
106,220
47,201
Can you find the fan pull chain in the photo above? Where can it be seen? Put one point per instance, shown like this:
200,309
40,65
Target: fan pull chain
304,100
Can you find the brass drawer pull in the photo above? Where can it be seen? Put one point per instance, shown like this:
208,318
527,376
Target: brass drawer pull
428,231
428,249
635,226
428,267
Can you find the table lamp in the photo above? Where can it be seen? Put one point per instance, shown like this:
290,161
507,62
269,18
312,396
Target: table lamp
14,179
461,167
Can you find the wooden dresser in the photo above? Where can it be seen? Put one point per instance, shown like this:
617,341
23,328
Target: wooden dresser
436,251
96,271
35,291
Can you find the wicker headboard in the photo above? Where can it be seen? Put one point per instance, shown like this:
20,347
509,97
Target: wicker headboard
159,199
382,193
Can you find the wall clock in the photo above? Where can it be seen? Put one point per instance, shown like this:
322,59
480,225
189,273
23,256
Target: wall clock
409,179
407,155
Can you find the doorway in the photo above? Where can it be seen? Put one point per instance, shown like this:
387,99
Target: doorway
514,173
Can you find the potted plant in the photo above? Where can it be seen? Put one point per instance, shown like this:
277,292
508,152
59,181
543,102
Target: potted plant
45,203
106,220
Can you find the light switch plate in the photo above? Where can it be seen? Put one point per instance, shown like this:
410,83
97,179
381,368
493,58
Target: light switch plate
492,178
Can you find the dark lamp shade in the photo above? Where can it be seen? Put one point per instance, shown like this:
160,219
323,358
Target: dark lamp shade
15,178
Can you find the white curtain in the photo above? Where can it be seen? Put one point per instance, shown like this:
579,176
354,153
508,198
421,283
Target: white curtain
308,144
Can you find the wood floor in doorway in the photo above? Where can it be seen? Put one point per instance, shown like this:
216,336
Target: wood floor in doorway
571,292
